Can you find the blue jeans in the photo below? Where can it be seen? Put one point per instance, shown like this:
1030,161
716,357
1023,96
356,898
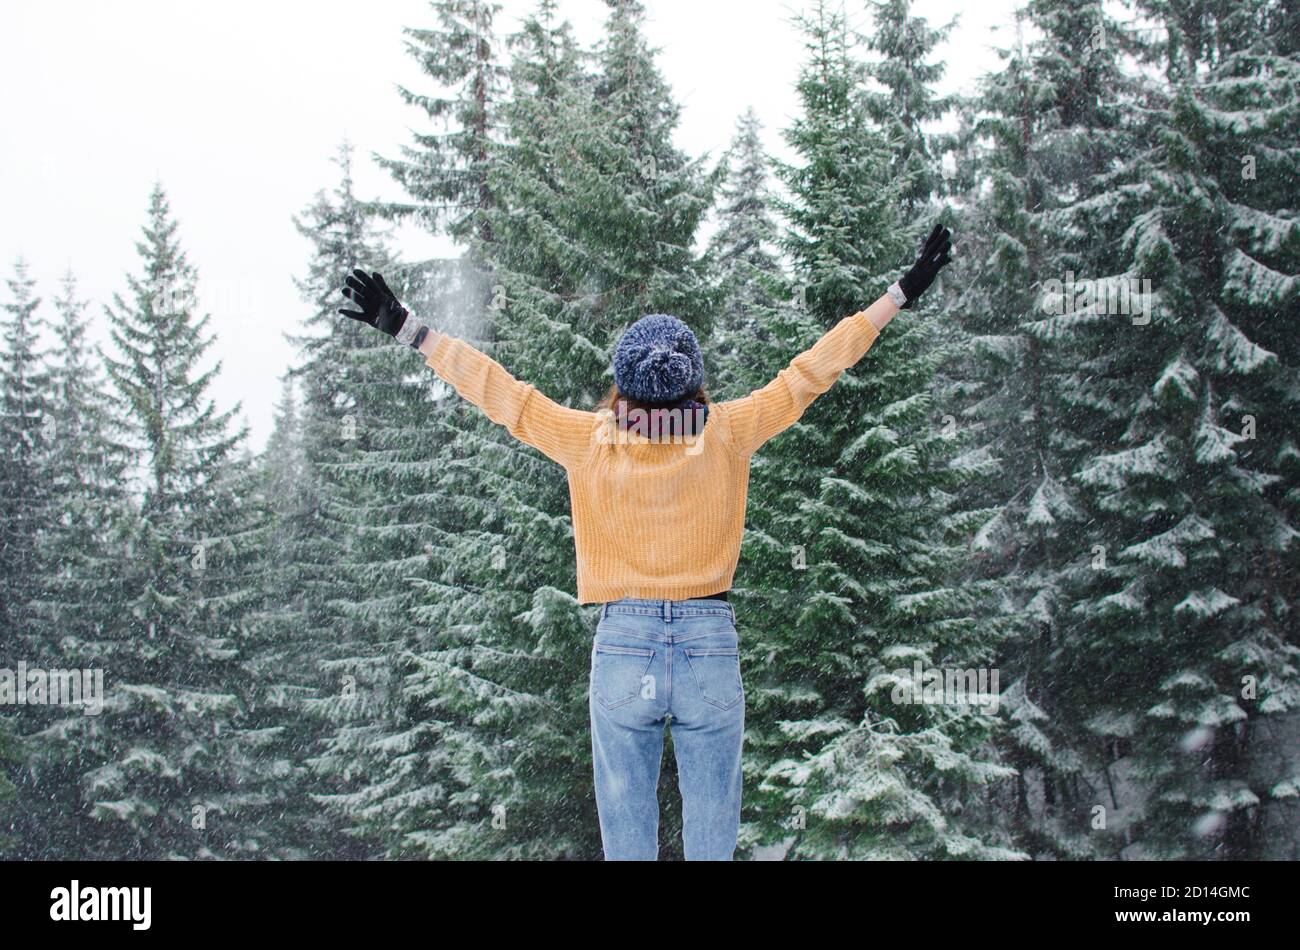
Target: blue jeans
657,662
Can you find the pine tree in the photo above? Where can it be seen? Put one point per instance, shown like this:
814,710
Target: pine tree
80,587
88,464
745,267
24,474
233,531
848,770
907,74
445,173
273,739
369,443
1049,197
647,197
494,549
1196,528
157,763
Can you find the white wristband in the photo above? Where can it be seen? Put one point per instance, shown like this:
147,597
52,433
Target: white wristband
410,327
896,294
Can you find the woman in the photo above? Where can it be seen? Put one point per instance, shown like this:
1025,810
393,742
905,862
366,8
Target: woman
658,481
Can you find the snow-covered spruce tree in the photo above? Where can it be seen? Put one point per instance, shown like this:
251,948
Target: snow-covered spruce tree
88,465
387,757
280,655
77,604
904,68
848,770
1196,530
1051,188
1272,240
24,523
369,447
24,451
155,759
745,270
649,196
299,635
444,172
233,531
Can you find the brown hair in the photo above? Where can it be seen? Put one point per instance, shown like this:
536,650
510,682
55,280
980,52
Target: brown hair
613,397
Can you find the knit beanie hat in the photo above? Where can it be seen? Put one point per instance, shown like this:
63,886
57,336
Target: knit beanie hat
658,360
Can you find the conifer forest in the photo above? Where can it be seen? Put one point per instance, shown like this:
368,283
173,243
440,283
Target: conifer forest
1073,468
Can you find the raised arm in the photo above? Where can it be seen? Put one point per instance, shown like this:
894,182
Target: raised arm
561,434
766,412
558,432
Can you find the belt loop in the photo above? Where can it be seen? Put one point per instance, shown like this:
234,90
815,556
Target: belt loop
668,611
604,610
732,608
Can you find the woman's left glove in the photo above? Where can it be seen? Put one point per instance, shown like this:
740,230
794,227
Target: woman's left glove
933,258
381,309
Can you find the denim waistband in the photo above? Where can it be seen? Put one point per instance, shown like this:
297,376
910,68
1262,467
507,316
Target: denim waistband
669,610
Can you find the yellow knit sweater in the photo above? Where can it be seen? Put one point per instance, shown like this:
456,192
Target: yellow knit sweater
654,519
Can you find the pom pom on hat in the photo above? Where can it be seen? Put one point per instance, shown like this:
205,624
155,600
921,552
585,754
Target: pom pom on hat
658,359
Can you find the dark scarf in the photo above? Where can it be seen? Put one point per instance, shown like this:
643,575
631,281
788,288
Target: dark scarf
662,421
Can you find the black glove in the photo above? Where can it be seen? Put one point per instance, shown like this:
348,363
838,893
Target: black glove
932,259
381,309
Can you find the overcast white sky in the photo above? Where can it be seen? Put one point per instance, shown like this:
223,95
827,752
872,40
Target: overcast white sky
237,107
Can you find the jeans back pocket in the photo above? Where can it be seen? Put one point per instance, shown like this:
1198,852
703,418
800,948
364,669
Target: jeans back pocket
717,676
618,674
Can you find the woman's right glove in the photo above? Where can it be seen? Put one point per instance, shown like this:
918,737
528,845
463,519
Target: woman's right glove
381,309
932,260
